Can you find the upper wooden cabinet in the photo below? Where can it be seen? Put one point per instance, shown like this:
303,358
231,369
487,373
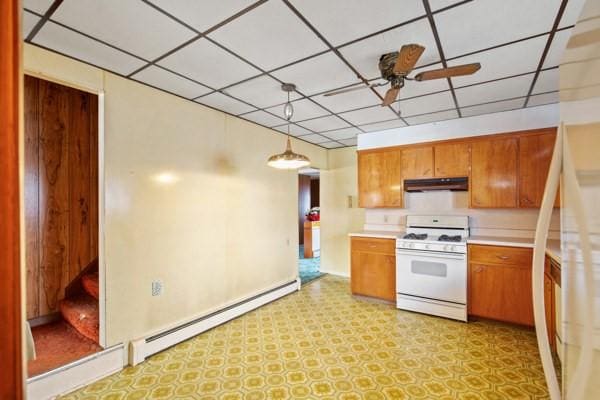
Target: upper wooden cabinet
379,181
535,154
417,162
452,159
494,170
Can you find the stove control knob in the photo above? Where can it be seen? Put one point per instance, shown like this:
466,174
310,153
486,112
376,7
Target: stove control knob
411,245
452,248
427,246
447,247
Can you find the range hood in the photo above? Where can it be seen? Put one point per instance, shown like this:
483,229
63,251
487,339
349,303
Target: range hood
424,185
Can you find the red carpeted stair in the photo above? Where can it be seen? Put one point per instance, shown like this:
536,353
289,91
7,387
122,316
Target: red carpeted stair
91,285
82,313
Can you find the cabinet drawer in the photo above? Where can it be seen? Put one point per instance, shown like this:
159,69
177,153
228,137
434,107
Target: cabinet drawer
500,255
374,245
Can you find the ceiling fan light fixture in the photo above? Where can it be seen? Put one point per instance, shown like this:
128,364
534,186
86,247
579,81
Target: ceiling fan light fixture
288,159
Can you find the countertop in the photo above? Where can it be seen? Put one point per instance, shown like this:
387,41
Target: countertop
552,246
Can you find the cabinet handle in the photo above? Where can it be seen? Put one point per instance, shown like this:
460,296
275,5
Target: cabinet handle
526,200
478,269
503,257
426,171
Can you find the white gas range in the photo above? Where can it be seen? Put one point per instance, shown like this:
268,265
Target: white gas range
431,266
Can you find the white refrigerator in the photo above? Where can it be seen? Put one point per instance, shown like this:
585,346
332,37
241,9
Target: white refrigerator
576,165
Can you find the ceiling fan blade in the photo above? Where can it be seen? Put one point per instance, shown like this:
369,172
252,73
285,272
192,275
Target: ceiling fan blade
466,69
390,96
407,58
351,89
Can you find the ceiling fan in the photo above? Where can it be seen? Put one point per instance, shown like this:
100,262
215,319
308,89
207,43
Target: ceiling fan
396,66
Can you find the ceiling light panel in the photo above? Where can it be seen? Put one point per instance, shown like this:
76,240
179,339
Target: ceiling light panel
503,61
341,21
318,74
494,91
382,126
209,64
368,115
269,36
492,107
557,48
163,79
39,6
263,118
202,15
426,104
349,100
492,23
261,92
324,124
65,41
547,81
364,55
303,109
432,117
222,102
129,25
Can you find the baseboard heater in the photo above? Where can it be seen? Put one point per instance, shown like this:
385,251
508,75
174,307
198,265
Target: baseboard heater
145,347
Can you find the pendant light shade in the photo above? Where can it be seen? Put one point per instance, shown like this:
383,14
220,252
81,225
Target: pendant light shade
288,159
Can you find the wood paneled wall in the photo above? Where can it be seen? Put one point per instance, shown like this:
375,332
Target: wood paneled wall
314,192
61,189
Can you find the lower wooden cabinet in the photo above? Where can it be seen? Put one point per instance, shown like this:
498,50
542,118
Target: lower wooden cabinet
373,267
499,284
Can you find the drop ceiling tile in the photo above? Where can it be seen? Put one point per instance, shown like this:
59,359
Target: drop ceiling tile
314,138
331,145
129,25
547,81
303,109
198,60
343,20
225,103
322,124
364,55
349,100
572,12
369,115
349,142
491,23
295,130
541,99
263,118
514,59
426,104
29,21
433,117
318,74
557,48
416,88
269,36
346,133
494,91
492,107
382,126
170,82
65,41
437,4
202,15
261,92
39,6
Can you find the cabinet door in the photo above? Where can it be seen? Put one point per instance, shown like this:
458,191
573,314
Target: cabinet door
373,275
379,183
535,154
452,160
501,292
494,173
417,162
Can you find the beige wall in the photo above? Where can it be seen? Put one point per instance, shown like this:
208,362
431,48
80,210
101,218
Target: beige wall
337,183
189,201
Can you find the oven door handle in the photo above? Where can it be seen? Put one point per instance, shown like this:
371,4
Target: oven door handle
431,254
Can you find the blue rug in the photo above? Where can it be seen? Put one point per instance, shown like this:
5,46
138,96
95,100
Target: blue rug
308,267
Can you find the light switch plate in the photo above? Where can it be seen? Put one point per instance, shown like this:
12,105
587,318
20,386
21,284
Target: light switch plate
157,288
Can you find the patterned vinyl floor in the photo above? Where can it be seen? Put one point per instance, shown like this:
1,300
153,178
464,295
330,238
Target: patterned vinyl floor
321,343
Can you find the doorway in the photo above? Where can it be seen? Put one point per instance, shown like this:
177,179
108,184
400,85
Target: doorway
61,201
309,225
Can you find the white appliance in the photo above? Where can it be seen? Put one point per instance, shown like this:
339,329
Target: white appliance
431,266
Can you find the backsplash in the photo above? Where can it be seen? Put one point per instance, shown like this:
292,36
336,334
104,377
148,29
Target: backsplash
492,222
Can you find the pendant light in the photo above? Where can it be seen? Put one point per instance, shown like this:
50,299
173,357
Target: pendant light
288,159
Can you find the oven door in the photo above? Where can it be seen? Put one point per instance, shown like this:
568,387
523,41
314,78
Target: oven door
432,275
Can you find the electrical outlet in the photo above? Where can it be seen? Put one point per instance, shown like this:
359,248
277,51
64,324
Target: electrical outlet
157,288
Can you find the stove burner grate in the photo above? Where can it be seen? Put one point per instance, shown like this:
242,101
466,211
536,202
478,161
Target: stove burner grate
415,236
447,238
